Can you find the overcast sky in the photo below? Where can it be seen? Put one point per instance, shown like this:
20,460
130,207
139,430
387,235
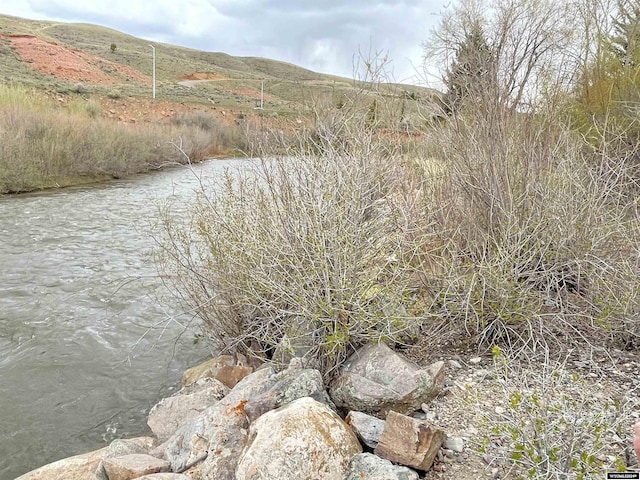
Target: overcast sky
323,35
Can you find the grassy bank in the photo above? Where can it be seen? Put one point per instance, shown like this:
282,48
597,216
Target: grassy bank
45,146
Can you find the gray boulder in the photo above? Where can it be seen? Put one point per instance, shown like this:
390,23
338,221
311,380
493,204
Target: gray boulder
366,427
216,436
172,412
372,467
192,442
304,440
291,385
377,379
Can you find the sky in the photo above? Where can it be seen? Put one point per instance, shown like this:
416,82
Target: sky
323,35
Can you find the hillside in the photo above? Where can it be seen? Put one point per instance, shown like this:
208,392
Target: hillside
60,56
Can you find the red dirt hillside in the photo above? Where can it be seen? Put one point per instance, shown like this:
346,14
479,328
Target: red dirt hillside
73,65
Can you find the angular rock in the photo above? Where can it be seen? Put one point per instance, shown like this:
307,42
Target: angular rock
291,385
228,440
410,442
371,467
205,369
299,383
376,380
225,444
214,438
190,444
230,376
223,368
366,427
197,440
88,466
303,440
133,466
172,412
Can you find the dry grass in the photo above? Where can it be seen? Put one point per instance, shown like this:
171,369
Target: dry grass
537,245
44,147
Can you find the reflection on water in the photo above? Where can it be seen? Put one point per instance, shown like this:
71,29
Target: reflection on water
89,338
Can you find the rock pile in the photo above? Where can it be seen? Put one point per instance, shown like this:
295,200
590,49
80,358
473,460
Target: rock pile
230,421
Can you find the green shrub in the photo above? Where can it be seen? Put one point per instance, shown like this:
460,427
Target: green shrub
552,424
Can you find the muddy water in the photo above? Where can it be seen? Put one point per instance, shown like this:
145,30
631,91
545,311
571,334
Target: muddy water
89,337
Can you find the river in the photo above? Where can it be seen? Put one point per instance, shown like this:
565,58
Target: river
90,339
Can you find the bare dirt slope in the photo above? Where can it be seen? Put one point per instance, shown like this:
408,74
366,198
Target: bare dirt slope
50,58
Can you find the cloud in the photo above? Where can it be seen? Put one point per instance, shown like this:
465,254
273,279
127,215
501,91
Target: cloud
321,35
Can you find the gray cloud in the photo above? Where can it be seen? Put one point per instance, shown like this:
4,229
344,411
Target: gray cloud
321,35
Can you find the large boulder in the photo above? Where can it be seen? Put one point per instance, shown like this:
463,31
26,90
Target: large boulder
304,440
372,467
214,438
377,379
128,446
80,467
291,384
164,476
88,466
172,412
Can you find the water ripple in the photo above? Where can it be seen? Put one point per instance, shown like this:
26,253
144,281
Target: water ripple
80,358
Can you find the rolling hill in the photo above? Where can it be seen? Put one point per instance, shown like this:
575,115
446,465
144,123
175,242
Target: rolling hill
63,57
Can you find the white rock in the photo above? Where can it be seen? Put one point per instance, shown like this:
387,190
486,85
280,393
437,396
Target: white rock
171,413
133,466
371,467
454,443
304,440
88,466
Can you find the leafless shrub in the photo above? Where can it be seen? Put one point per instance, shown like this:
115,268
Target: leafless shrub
311,255
537,246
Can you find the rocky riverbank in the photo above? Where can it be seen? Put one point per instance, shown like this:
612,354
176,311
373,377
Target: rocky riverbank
383,417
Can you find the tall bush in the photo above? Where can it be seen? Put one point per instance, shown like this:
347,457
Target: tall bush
539,247
309,255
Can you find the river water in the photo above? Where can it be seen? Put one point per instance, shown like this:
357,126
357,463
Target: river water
78,292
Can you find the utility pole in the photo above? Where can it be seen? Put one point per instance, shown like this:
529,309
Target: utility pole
153,49
262,96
